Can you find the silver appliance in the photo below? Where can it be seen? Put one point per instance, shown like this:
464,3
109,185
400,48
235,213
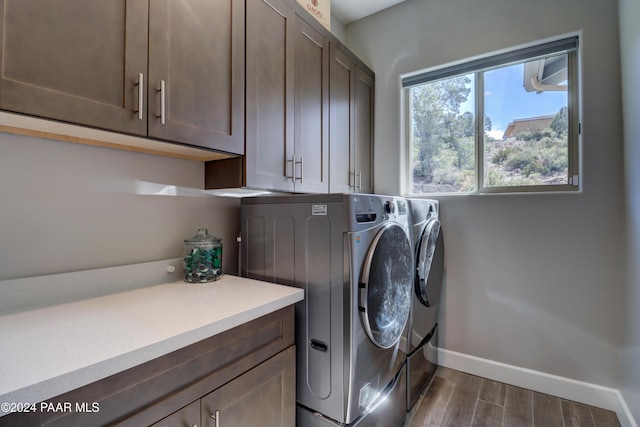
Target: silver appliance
422,327
352,255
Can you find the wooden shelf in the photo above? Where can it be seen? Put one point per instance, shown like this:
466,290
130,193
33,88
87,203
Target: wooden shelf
41,128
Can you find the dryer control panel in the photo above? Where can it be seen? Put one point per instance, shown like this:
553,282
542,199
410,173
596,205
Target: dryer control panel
368,210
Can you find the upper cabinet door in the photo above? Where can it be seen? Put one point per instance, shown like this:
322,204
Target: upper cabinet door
75,60
342,151
269,93
196,72
363,120
351,92
311,110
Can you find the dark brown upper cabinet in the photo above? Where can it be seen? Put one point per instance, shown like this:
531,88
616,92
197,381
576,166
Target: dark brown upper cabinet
311,142
363,125
342,72
287,144
269,92
169,69
351,91
309,108
75,60
196,72
287,109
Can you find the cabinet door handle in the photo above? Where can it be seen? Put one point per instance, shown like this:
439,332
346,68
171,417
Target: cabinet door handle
354,186
293,168
359,188
299,163
216,418
162,91
140,84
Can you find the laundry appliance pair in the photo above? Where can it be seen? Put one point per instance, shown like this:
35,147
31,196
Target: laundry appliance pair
354,255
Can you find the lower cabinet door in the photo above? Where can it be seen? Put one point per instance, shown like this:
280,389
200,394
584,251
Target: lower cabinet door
189,416
262,397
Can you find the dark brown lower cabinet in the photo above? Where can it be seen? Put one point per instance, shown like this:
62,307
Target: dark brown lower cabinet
243,377
262,397
189,416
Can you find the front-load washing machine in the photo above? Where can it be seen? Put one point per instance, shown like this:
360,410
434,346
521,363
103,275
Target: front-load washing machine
352,255
422,327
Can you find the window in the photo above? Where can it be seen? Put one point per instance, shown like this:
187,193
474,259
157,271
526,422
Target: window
505,123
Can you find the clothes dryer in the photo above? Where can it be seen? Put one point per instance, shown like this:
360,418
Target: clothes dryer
352,255
422,327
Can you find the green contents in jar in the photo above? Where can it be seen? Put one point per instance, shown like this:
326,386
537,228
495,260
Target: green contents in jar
202,265
202,261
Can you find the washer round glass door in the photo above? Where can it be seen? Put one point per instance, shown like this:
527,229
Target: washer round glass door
385,288
430,264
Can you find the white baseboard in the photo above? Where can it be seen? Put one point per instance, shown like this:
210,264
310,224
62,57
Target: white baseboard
566,388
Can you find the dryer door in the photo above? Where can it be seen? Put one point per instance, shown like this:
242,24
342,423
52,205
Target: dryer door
385,288
430,264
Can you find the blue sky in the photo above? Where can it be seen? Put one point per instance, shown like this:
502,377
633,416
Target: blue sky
506,99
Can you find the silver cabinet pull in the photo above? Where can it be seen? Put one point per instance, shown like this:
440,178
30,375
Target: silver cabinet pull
140,84
216,417
359,187
293,168
162,103
299,163
354,186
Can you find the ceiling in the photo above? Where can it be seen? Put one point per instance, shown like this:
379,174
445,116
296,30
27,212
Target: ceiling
348,11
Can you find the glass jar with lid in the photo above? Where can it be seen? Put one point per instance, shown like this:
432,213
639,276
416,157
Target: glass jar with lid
202,260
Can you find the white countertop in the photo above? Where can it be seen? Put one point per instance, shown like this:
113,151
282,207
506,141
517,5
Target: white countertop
50,351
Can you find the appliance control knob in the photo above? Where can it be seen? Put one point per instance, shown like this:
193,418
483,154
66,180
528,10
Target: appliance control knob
389,207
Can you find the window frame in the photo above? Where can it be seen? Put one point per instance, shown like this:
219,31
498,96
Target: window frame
574,134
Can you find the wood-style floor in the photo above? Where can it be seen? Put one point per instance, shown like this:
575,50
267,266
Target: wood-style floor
458,399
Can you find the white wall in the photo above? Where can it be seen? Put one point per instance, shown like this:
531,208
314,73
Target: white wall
630,48
68,207
534,281
337,28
